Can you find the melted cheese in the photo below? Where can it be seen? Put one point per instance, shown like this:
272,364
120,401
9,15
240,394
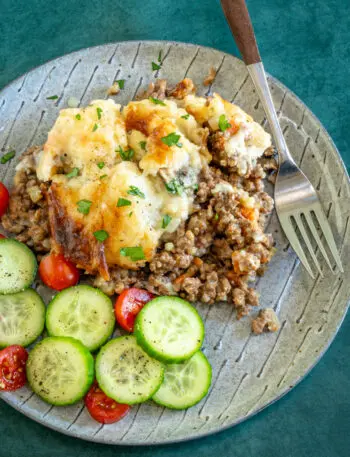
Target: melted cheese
248,141
84,141
83,137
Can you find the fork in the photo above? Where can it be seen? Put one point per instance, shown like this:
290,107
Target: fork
296,201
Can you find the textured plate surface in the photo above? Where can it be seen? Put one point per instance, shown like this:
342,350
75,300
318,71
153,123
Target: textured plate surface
248,372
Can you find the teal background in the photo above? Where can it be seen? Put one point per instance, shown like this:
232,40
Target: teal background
306,45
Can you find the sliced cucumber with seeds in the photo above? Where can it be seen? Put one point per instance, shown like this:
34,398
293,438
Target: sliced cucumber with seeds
169,329
82,312
126,373
185,384
60,370
22,318
18,266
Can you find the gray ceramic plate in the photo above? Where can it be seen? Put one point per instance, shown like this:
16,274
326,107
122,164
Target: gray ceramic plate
249,372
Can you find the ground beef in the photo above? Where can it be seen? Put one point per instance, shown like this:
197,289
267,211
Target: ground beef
211,257
266,321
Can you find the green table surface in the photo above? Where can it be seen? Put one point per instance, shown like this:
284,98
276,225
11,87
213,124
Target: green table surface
306,45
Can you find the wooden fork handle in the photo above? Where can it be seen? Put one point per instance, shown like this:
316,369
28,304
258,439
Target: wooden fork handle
238,18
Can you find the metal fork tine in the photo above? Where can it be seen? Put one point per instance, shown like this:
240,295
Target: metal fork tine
307,241
318,239
294,241
327,232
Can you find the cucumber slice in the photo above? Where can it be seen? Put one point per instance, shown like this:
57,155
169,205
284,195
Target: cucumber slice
22,318
18,266
126,373
169,329
185,384
60,370
82,312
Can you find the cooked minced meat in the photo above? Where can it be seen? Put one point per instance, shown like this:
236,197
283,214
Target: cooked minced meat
211,257
266,321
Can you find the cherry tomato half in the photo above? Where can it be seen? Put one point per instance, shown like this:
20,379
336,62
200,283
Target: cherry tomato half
129,304
57,272
12,367
102,408
4,199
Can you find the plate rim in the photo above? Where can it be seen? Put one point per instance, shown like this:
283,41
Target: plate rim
328,342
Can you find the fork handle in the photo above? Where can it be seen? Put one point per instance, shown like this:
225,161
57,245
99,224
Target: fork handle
238,18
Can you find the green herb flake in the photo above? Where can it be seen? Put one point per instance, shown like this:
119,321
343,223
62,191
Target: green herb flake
126,155
185,116
100,165
99,112
101,235
223,123
73,173
174,187
123,202
166,221
52,97
143,145
8,156
156,101
155,66
78,117
216,217
103,176
130,214
160,56
133,190
135,253
84,206
121,83
95,127
171,140
195,187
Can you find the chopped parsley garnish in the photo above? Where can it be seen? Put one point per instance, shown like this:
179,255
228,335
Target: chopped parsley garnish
126,155
130,214
73,173
133,190
155,66
143,145
8,156
100,165
84,206
121,83
223,123
52,97
101,235
185,116
166,221
123,202
216,217
156,101
135,253
160,56
195,187
172,139
77,116
174,187
103,176
95,127
99,111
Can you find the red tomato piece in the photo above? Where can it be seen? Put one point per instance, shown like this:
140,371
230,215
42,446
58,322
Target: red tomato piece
57,272
2,236
129,304
12,367
4,199
102,408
